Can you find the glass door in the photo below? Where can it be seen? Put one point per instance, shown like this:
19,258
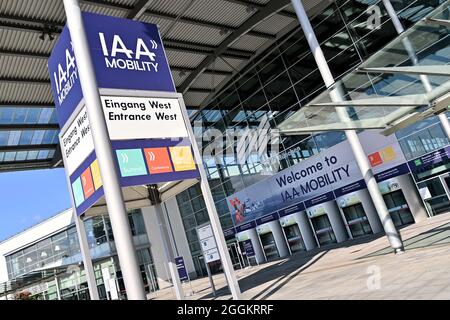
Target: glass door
235,256
398,208
324,231
357,220
437,201
269,246
294,238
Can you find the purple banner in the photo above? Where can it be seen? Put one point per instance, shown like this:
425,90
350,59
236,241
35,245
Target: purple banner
358,185
267,218
139,162
292,209
320,199
246,226
427,161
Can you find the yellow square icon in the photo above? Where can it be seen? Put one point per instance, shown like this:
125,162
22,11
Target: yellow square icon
95,170
388,154
182,158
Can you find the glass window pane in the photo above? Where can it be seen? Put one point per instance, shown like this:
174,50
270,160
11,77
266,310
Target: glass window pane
14,137
21,155
33,115
43,154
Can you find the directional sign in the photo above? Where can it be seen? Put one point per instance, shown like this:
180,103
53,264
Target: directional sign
181,267
208,243
143,112
248,247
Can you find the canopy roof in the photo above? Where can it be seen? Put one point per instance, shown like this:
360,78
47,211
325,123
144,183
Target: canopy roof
207,42
404,82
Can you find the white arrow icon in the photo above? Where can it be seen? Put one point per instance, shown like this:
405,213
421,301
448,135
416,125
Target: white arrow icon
154,44
151,156
124,158
83,180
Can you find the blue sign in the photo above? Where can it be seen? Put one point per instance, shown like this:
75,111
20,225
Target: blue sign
320,199
291,209
181,267
229,233
248,247
126,54
64,78
392,172
134,164
246,226
430,160
267,218
358,185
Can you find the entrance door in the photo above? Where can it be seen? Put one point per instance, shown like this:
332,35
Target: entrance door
294,238
269,246
398,208
235,256
437,201
323,230
357,220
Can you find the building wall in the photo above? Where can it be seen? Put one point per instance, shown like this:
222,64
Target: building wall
281,81
52,225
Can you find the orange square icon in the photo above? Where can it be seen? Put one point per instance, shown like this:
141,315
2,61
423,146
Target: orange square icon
375,159
87,183
158,160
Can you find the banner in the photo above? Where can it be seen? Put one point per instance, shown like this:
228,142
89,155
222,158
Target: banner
143,112
318,179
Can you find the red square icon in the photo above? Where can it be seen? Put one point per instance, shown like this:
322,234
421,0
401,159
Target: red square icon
87,183
158,160
375,159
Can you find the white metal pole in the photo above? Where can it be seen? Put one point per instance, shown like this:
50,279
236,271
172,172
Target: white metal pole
86,255
358,152
168,252
84,245
212,212
113,193
410,49
58,291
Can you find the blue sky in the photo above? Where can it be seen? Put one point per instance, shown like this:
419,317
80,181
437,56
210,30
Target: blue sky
28,197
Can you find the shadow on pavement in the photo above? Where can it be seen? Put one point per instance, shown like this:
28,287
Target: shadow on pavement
286,269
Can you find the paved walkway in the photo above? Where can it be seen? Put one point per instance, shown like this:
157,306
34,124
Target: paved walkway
357,269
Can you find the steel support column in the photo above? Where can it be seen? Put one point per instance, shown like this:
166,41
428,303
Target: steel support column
110,177
358,152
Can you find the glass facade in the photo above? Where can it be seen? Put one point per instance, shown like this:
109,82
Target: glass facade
28,136
277,84
47,257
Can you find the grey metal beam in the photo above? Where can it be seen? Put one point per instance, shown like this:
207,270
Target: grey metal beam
200,90
192,47
28,126
25,80
139,8
28,147
182,46
258,6
24,165
208,71
25,54
18,104
270,9
204,23
442,22
431,70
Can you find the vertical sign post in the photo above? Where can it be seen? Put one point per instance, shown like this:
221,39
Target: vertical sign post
123,124
113,193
